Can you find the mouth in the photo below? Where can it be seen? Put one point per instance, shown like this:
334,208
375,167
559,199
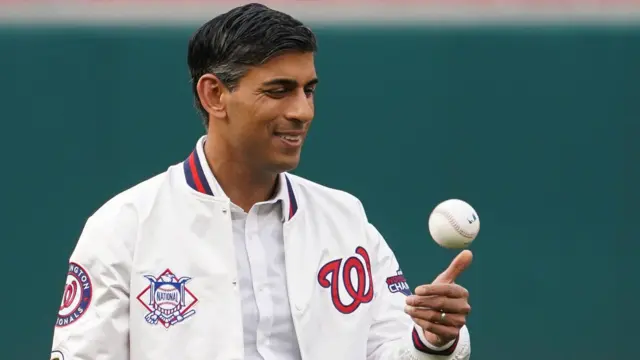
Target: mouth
291,140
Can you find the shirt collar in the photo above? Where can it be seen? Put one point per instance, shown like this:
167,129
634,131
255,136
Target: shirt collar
200,178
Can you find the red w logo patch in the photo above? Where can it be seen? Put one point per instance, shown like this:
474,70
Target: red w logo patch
350,281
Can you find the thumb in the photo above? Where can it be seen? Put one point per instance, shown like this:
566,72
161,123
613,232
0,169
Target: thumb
457,266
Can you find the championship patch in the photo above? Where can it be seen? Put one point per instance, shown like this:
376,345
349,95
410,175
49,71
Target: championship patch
167,299
398,283
57,355
76,297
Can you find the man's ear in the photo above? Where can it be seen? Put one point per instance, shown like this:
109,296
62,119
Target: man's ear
211,93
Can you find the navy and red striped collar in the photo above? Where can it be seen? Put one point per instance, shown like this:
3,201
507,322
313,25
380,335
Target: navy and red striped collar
194,174
199,178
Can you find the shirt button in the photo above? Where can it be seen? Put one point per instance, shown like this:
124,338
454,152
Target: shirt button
224,211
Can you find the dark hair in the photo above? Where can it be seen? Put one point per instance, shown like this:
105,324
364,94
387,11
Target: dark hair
246,36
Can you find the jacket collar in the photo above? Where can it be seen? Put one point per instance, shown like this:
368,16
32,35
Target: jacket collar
200,178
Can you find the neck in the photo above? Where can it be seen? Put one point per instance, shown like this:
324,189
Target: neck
242,183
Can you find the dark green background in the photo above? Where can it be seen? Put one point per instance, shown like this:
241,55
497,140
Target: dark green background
536,127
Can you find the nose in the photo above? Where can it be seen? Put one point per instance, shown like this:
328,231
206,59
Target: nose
301,108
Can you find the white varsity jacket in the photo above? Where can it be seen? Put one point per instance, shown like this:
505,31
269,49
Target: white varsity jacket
153,277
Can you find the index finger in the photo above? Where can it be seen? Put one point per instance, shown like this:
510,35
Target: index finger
459,264
448,290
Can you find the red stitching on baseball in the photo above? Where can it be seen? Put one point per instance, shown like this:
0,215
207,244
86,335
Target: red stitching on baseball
454,224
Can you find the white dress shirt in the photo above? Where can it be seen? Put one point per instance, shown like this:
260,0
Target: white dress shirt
267,323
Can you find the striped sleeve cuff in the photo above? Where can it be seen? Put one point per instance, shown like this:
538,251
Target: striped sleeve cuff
421,344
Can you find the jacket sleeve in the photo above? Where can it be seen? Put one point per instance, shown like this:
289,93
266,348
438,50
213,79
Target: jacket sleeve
394,335
93,318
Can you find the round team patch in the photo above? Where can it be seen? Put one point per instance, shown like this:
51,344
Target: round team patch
57,355
76,297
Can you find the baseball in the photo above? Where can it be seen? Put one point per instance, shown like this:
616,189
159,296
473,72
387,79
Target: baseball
454,224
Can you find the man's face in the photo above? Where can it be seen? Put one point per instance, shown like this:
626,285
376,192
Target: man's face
270,111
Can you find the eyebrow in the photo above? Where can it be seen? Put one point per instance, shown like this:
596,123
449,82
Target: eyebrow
288,82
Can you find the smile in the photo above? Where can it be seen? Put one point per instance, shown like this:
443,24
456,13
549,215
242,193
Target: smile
290,140
291,137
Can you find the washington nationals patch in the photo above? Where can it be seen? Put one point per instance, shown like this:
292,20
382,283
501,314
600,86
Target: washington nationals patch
167,299
77,295
350,281
56,355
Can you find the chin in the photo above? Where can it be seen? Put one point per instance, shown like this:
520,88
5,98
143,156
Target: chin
286,163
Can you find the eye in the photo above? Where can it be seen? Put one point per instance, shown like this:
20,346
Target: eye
310,91
276,93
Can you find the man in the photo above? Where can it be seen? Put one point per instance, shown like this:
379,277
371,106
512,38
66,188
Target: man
228,256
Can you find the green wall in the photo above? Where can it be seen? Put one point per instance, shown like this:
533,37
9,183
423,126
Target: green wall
536,128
